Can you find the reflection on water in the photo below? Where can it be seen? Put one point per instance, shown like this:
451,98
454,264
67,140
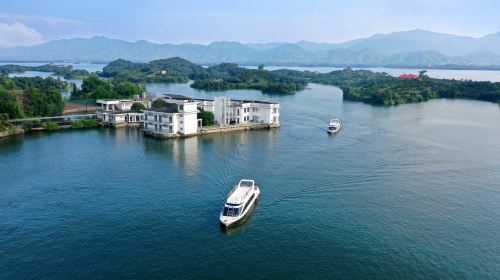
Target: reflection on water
183,151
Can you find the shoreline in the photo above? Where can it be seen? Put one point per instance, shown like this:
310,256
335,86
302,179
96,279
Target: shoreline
210,130
8,133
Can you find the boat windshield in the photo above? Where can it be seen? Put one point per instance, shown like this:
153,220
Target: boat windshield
231,212
246,184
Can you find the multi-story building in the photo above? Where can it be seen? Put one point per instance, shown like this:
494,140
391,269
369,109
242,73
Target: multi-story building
179,118
117,112
232,111
227,111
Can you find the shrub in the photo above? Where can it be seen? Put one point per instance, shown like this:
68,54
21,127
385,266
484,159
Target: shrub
90,123
51,126
29,125
84,123
77,124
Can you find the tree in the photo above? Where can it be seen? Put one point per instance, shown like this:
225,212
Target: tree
9,106
94,88
422,74
261,67
207,118
74,92
137,107
126,89
4,125
161,103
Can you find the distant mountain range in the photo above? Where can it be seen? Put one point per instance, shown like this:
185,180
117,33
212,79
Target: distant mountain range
399,49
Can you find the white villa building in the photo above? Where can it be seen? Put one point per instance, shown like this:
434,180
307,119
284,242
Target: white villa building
183,120
227,111
117,112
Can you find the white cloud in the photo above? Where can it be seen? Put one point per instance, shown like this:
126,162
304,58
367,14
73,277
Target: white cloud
45,19
18,34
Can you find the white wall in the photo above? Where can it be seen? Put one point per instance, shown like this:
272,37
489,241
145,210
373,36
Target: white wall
222,111
206,105
190,123
124,105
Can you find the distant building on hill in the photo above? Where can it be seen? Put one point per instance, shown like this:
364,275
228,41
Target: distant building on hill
409,77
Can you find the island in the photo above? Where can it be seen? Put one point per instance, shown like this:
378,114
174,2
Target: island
358,85
65,71
219,77
382,89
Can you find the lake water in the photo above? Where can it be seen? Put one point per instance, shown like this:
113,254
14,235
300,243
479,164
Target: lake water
474,75
402,192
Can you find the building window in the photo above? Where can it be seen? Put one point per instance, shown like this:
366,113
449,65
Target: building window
181,107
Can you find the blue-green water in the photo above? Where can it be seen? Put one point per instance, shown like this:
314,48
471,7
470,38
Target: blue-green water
411,191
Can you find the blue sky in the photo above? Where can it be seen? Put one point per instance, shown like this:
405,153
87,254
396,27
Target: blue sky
25,22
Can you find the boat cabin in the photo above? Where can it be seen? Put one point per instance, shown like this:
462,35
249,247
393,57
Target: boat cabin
239,199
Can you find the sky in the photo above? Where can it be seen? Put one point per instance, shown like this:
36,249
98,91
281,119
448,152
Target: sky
28,22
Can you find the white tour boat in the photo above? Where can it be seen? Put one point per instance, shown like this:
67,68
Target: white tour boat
239,202
334,126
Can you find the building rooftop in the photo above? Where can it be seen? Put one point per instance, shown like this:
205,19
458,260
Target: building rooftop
178,96
255,101
122,112
163,110
238,100
408,76
113,100
183,97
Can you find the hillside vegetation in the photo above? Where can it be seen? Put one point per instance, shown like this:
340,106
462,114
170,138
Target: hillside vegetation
65,71
94,87
383,89
30,97
220,77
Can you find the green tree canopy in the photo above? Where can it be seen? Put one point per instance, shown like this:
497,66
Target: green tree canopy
9,106
137,107
94,87
161,103
207,118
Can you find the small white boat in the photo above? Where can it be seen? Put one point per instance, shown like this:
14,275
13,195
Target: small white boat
239,202
334,126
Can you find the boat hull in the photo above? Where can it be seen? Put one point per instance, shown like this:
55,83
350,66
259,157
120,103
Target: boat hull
228,221
333,131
